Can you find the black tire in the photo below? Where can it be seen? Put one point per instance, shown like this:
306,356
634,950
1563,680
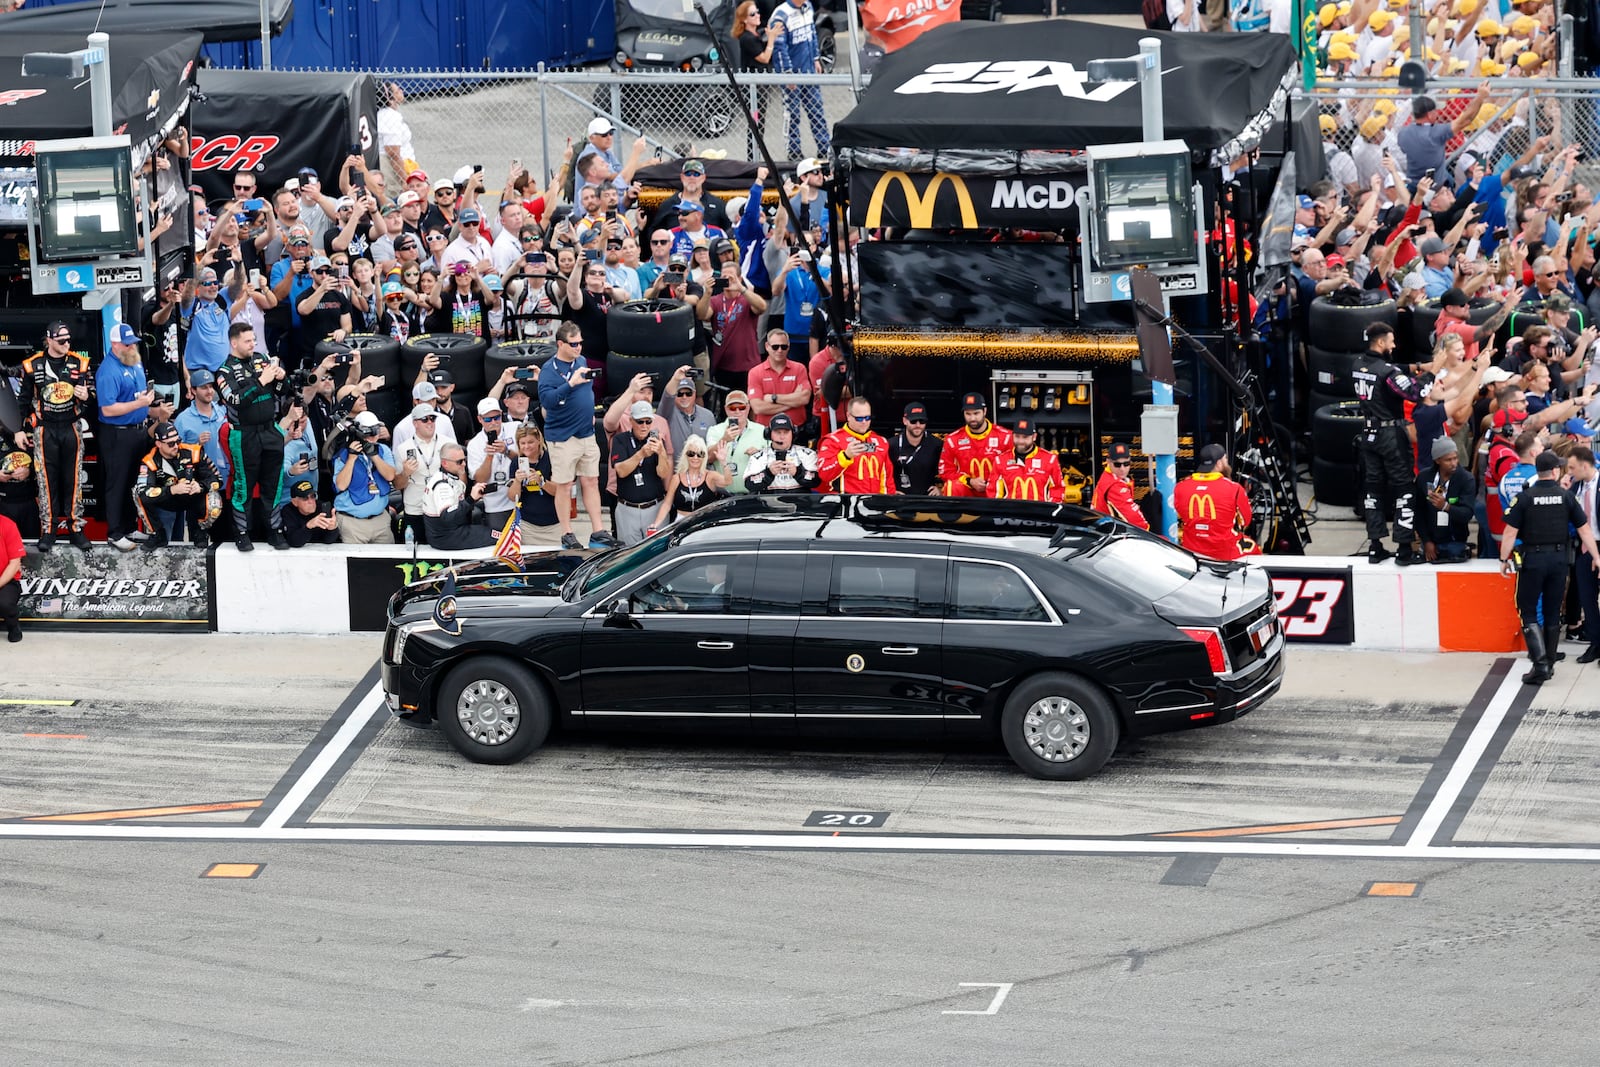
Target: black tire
1343,329
650,327
503,680
515,354
1333,432
380,355
827,47
1426,316
1330,371
713,118
459,353
1337,484
620,369
1316,401
1098,727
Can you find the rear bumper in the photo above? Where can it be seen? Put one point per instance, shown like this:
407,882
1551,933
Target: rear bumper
1230,698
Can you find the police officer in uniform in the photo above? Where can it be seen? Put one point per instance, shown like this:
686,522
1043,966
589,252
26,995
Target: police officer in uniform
253,388
56,387
914,454
1540,518
1382,390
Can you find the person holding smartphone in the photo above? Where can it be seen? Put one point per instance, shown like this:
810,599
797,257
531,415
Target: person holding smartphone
566,394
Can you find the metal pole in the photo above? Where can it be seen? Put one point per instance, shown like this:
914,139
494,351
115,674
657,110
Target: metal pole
1150,89
544,124
1565,62
266,37
100,84
853,17
1160,392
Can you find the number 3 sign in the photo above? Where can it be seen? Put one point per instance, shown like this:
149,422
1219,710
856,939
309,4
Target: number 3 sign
1314,606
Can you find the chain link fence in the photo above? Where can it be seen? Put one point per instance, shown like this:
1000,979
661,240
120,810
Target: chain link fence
493,117
1362,118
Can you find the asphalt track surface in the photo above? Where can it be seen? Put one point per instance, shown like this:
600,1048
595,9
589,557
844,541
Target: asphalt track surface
223,850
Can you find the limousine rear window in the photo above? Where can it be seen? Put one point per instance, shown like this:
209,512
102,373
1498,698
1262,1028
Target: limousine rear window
1146,566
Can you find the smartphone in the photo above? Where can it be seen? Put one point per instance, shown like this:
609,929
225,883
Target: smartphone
355,148
1501,234
358,185
255,203
592,255
611,213
344,271
255,277
803,256
523,466
523,374
673,277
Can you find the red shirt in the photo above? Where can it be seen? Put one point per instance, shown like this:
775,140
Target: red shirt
967,455
1461,328
819,403
765,382
1211,512
1114,497
1036,476
11,542
869,472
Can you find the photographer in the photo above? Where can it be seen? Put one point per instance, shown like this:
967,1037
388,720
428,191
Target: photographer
420,458
533,294
177,482
253,387
299,447
304,520
363,474
731,312
643,465
491,455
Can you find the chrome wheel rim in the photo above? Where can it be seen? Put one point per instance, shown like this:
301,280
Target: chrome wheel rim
488,712
1056,729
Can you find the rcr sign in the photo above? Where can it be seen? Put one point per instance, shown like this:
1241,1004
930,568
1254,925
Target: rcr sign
231,151
1011,76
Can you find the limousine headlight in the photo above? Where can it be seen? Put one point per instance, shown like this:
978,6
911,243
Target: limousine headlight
404,633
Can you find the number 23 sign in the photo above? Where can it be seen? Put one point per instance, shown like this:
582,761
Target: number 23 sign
1314,606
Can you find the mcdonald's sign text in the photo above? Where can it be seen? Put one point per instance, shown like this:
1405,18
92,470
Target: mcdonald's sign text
959,201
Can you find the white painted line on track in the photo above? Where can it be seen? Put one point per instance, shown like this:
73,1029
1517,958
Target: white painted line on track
1471,752
324,761
397,835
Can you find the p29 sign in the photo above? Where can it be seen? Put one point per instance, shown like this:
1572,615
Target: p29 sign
1314,606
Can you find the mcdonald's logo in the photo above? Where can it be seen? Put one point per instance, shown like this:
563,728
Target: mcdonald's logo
1023,487
919,206
1201,506
981,468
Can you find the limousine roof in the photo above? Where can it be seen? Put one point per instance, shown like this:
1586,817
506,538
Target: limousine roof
1036,527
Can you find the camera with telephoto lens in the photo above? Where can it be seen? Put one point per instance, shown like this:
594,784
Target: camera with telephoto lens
302,378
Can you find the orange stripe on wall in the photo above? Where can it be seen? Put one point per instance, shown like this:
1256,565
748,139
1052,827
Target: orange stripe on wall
1477,612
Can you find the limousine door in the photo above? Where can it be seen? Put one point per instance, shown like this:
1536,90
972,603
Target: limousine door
869,643
681,648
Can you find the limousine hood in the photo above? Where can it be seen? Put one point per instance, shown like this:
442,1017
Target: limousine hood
537,574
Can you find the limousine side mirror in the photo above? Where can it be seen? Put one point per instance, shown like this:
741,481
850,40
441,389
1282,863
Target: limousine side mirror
617,614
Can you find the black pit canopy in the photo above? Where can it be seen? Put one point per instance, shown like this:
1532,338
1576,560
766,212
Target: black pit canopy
1017,86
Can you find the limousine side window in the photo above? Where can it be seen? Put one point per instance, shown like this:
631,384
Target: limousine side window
873,587
988,593
700,586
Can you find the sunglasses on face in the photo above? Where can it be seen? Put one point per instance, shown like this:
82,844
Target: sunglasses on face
1122,463
243,188
737,407
425,418
917,422
62,337
695,455
860,418
489,418
668,241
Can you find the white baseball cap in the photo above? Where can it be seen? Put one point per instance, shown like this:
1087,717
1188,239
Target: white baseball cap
601,126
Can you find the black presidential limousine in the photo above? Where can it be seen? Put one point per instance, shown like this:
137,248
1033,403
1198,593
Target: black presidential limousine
1060,628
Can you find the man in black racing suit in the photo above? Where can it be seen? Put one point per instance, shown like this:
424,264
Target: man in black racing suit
1382,390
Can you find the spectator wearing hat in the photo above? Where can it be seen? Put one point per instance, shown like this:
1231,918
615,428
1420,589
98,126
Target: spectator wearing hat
392,319
57,387
855,458
1437,274
1454,312
1541,520
364,472
11,556
1444,505
1424,140
807,197
441,212
782,466
316,208
660,258
914,454
291,280
411,205
471,246
972,453
566,396
420,456
176,483
305,521
676,282
735,441
516,398
602,137
1213,510
1113,492
356,224
680,416
202,421
589,301
466,301
300,451
491,459
325,312
643,465
692,228
692,177
1340,165
124,400
463,421
619,275
731,314
423,394
1028,472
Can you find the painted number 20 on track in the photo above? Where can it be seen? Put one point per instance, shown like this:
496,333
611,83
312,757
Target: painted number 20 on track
1305,605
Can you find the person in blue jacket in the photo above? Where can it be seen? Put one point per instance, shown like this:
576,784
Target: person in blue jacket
793,31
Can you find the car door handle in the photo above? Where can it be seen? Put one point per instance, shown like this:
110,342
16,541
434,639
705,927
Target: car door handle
716,646
900,650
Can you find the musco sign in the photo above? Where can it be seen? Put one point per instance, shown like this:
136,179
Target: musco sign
966,202
104,589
